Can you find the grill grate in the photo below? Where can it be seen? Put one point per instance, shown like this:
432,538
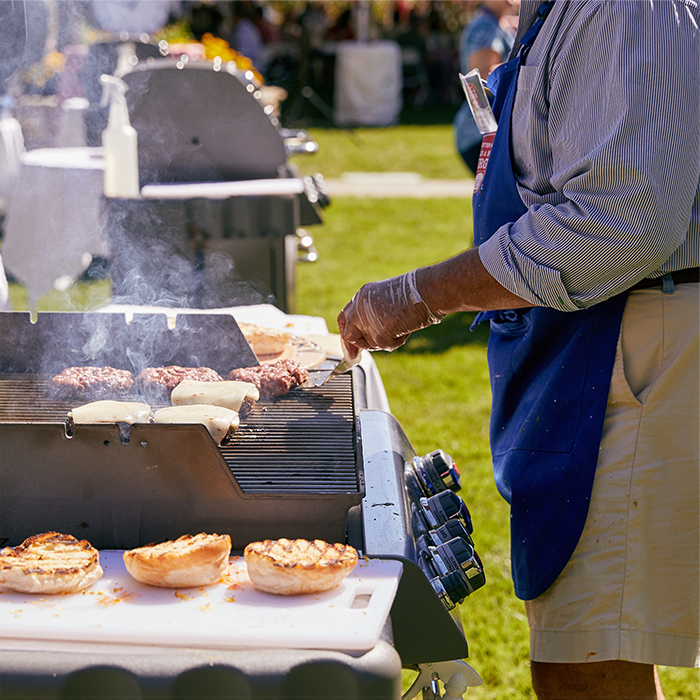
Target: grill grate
306,441
299,438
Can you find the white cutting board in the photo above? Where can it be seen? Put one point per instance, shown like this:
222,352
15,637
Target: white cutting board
229,614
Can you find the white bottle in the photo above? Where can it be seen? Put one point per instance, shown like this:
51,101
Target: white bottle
120,144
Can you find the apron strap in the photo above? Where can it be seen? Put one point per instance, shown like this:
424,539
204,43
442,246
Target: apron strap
530,34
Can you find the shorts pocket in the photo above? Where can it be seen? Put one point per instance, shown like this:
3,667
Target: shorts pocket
641,345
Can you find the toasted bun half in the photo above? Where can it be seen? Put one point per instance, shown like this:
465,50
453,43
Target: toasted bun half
291,567
190,560
50,563
221,422
265,341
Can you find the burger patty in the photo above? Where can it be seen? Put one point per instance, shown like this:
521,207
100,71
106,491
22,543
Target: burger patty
275,379
167,378
80,382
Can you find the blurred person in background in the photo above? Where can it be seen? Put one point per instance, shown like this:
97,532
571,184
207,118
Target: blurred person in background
269,33
245,37
415,33
206,18
586,265
441,56
314,24
342,29
485,43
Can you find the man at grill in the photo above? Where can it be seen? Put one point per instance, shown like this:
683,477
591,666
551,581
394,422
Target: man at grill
587,245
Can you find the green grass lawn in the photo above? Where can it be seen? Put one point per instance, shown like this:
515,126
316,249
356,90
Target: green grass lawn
437,384
428,150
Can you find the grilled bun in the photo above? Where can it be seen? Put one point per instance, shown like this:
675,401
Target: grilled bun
265,341
190,560
50,563
291,567
221,422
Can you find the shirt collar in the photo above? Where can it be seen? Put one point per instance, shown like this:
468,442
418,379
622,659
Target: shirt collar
526,18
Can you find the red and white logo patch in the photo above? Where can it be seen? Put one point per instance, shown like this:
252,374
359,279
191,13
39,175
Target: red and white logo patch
486,146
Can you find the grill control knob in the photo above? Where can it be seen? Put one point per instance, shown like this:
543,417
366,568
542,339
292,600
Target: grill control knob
437,472
443,506
451,587
450,530
453,568
459,555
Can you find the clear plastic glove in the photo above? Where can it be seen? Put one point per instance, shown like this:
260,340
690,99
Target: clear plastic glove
382,315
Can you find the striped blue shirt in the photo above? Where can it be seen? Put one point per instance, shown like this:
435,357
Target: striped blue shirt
606,151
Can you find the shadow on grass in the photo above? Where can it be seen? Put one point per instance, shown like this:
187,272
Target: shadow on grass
453,331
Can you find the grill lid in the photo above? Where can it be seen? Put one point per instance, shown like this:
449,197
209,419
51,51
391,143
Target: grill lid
201,122
60,340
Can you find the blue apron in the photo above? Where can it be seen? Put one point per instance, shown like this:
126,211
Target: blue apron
550,375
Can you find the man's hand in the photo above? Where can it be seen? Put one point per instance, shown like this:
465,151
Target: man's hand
382,315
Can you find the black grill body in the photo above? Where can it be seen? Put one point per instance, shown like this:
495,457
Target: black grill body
132,674
314,463
293,469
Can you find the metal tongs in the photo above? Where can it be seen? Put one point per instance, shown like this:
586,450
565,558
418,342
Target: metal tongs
343,366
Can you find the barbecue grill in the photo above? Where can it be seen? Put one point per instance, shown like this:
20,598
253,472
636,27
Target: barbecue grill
315,463
221,203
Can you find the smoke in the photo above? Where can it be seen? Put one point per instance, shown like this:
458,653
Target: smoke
167,254
195,254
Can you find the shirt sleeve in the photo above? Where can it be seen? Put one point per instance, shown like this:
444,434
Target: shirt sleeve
606,152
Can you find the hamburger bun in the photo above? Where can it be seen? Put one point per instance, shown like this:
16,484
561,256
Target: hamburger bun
50,563
108,411
291,567
190,560
221,422
265,341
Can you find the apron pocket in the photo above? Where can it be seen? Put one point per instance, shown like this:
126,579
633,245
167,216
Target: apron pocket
539,360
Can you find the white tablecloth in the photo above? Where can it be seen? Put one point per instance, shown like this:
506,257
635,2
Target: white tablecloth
368,83
11,149
53,225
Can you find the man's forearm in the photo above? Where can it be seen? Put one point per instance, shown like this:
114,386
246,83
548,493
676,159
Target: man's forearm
462,283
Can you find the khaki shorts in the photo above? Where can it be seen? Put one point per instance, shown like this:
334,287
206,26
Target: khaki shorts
632,587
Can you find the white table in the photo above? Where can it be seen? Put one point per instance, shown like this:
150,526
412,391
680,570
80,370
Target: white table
11,149
53,224
368,83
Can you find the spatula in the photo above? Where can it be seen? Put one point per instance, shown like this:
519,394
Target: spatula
344,365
